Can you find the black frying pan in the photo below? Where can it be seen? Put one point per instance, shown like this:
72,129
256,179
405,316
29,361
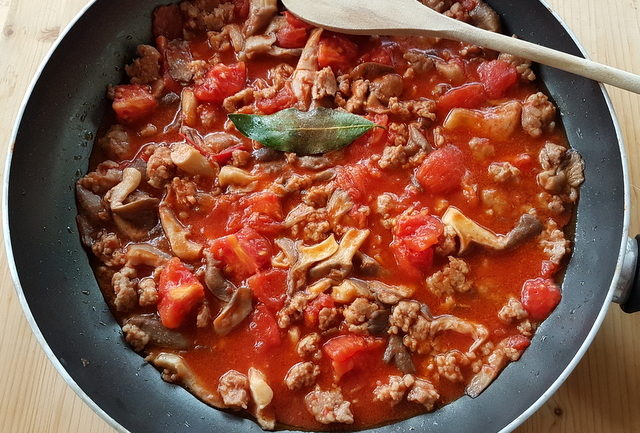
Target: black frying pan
65,307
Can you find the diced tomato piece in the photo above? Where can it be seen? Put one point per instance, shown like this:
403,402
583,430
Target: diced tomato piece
372,138
264,328
343,348
220,82
442,171
283,99
291,37
224,156
312,310
471,95
167,22
133,102
497,76
243,253
518,342
179,292
269,288
262,211
539,297
548,269
353,179
336,51
387,53
294,21
414,238
241,9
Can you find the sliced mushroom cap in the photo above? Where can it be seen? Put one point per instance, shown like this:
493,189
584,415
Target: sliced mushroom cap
262,395
139,204
490,370
307,256
367,265
297,214
339,204
452,323
340,263
260,14
188,159
230,175
469,231
484,17
217,284
177,234
417,138
388,294
90,203
234,312
145,254
350,289
158,334
397,353
176,370
130,180
370,70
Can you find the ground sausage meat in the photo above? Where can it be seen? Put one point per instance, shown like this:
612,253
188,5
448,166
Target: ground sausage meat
452,278
234,389
301,375
423,392
328,406
146,68
538,114
160,167
395,390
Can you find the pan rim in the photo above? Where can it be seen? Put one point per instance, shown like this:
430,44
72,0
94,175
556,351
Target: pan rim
117,426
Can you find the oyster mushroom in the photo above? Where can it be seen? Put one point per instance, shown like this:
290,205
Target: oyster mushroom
260,14
307,256
388,294
262,395
158,335
370,70
496,122
230,175
188,159
236,310
469,231
340,263
145,254
217,284
452,323
176,233
306,69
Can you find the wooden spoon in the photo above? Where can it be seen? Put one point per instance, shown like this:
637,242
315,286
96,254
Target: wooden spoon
410,17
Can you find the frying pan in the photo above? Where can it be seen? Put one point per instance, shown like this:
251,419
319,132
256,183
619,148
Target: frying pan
66,310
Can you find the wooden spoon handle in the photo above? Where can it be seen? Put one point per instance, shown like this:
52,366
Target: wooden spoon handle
538,53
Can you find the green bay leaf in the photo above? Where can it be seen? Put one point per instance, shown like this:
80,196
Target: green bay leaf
310,132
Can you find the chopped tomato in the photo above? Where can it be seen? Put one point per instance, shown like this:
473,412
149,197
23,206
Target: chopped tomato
372,138
243,253
269,288
385,53
224,156
291,37
262,211
413,241
312,310
283,99
336,51
220,82
497,76
548,268
294,21
179,292
518,342
442,171
353,179
241,9
342,349
539,297
471,95
133,102
167,22
265,329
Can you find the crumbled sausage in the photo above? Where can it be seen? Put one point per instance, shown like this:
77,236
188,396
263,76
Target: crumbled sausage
106,175
448,365
301,375
553,242
538,114
423,392
358,313
115,143
324,84
523,67
292,311
203,319
328,406
503,171
328,318
148,293
204,15
394,391
481,148
512,311
108,249
160,167
234,389
562,170
393,157
124,286
309,346
408,317
135,337
452,278
146,68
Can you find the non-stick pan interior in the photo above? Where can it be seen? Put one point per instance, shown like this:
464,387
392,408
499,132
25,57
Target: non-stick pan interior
51,152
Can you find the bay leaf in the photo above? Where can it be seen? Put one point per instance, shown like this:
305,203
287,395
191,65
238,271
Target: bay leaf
310,132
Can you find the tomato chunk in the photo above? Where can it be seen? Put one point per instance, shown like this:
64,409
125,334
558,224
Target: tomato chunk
220,82
283,99
269,288
497,76
265,329
262,211
294,34
179,292
539,297
414,238
243,253
312,311
167,21
467,96
294,21
442,171
241,9
336,51
343,348
133,102
518,342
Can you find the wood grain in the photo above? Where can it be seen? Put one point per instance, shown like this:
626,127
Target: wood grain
601,396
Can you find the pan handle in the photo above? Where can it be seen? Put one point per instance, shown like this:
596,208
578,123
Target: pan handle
627,292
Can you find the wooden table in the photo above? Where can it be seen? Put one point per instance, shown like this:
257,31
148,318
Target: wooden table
601,396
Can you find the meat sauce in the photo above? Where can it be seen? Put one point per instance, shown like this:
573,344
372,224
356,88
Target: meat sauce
216,215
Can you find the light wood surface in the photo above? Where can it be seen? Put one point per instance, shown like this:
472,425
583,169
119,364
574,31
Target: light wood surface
601,396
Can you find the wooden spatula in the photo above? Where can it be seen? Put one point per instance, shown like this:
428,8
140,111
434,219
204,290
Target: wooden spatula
410,17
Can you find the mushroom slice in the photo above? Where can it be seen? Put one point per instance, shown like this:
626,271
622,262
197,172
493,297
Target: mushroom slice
306,69
340,263
262,395
452,323
158,334
297,214
260,14
307,256
338,204
130,180
189,160
145,254
350,289
176,370
234,312
497,122
230,175
389,294
397,353
370,70
177,235
469,231
417,138
217,284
